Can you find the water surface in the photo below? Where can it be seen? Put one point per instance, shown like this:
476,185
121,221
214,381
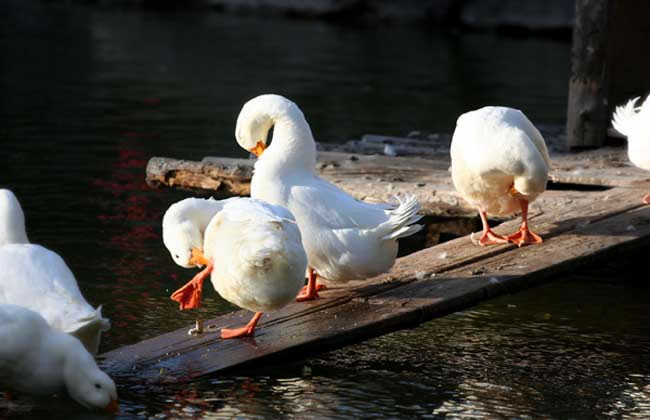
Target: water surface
89,95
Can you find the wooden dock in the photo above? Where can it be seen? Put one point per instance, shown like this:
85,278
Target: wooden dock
597,213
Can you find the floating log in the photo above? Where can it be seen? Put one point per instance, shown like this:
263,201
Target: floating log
378,177
422,286
372,178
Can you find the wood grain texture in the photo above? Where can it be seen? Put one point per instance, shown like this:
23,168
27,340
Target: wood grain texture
378,178
420,287
609,65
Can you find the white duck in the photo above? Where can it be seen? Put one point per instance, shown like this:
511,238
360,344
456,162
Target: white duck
40,360
183,228
634,122
499,163
252,249
37,278
345,238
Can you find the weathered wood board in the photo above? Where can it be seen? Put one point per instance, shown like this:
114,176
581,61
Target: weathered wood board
421,286
380,177
374,177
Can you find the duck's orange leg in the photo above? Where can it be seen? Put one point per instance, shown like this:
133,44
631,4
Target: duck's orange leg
646,199
489,237
524,235
310,292
246,331
189,296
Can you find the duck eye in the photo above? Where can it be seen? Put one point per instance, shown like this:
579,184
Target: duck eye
98,386
176,255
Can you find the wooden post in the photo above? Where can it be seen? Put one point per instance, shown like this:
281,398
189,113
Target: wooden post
587,111
610,63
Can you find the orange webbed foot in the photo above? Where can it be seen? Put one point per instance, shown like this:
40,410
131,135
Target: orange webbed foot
646,199
490,238
310,291
227,333
525,236
189,296
305,288
305,294
247,331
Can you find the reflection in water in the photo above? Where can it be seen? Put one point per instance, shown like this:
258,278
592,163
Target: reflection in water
565,350
89,95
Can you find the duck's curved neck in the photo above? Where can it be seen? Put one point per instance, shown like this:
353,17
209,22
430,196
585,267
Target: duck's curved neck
13,231
292,146
54,371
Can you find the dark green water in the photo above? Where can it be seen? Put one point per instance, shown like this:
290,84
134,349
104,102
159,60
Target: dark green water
88,95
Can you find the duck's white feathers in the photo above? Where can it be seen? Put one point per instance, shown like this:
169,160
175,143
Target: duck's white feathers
625,117
247,209
259,261
634,122
197,210
12,220
184,225
401,218
493,149
38,279
40,360
344,238
24,334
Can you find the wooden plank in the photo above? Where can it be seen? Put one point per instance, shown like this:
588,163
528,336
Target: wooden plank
420,287
607,166
436,146
379,177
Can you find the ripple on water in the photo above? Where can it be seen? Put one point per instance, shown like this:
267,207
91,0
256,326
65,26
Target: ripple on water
504,359
124,86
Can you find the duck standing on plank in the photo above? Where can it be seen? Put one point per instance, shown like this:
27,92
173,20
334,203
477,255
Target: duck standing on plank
499,163
345,239
634,123
37,278
183,228
252,249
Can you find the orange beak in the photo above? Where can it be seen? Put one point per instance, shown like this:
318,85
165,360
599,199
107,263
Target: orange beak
198,258
113,407
258,149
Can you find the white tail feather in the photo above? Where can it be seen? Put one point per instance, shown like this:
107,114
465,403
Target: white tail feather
401,218
644,109
88,329
404,232
625,116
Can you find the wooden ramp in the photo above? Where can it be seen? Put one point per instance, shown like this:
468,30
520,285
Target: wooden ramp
420,287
